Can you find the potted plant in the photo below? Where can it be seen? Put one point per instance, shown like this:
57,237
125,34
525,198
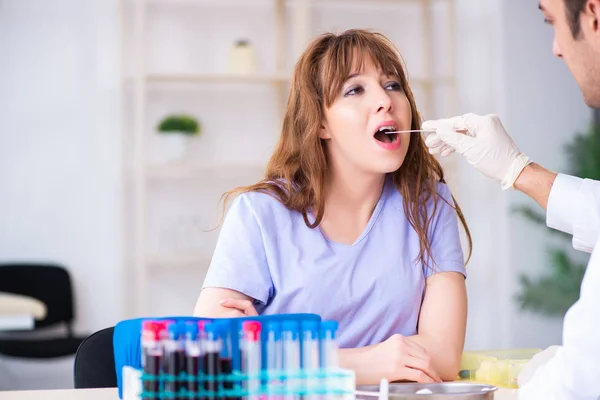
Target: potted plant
554,292
174,132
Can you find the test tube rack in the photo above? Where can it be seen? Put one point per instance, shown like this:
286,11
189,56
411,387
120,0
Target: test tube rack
287,357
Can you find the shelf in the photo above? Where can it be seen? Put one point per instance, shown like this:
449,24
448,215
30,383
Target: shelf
183,171
252,78
215,78
222,3
180,259
264,3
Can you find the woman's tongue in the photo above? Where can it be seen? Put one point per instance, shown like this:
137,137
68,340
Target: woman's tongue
382,137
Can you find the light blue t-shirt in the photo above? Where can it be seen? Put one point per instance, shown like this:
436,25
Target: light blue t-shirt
373,288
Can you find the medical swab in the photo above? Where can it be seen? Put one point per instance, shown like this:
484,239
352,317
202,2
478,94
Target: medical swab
414,130
423,130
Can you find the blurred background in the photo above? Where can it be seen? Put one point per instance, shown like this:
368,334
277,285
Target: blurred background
125,121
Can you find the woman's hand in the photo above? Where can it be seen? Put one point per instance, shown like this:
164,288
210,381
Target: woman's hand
239,307
396,359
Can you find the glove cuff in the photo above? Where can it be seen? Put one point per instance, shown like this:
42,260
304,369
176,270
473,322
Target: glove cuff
516,167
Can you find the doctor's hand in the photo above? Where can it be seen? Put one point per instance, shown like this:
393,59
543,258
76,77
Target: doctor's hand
486,145
396,359
239,307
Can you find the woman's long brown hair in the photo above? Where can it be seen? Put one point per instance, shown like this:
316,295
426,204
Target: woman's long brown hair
296,172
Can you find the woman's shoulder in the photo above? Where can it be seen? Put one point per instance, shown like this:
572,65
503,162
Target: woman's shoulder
263,203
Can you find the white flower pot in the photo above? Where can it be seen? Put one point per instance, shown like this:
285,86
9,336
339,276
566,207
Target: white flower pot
242,59
173,146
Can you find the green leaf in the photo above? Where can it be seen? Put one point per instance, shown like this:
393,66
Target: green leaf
179,124
583,154
552,294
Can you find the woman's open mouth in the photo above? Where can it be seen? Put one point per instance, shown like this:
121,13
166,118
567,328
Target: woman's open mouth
386,139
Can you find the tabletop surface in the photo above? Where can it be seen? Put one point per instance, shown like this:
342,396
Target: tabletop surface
112,394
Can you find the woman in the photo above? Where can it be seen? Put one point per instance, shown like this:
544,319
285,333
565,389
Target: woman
350,223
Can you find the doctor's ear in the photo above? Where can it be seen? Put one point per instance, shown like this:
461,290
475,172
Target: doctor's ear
593,10
324,132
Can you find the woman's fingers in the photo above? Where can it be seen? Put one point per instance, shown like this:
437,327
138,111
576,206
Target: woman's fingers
415,349
419,359
424,366
416,375
245,306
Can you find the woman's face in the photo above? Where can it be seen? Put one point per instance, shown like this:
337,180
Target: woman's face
368,104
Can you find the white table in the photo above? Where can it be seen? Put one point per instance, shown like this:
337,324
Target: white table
112,394
18,312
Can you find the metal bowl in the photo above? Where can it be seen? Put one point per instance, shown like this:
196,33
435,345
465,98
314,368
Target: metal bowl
445,391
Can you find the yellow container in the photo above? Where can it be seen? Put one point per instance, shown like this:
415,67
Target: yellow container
495,367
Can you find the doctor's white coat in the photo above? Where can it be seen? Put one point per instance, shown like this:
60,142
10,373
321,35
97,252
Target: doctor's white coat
574,371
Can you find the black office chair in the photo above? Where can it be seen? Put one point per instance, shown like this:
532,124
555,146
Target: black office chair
95,362
51,284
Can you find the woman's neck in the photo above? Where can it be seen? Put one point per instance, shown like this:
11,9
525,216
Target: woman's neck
354,193
350,199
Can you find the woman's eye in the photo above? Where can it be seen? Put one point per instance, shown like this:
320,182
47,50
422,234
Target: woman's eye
395,86
354,90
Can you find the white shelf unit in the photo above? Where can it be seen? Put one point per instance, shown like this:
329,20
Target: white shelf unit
292,28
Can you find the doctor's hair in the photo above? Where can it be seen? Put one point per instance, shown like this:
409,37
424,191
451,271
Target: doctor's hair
573,9
296,173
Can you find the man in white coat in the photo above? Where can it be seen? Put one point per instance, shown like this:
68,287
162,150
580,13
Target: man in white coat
571,371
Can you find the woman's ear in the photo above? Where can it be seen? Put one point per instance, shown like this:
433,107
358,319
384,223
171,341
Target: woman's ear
324,132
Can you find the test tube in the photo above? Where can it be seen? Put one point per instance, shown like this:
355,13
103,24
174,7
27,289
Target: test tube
225,357
211,368
291,358
164,337
174,347
152,355
310,358
329,348
192,359
251,365
274,359
329,356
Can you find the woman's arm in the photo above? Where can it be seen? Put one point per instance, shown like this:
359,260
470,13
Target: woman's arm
398,358
443,321
433,354
239,268
212,303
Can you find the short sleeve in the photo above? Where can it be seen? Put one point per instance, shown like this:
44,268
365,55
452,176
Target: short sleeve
445,244
239,260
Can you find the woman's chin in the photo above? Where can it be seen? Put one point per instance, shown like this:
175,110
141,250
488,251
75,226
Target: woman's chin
390,165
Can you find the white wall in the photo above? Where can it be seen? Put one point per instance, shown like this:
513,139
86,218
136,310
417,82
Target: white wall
60,153
481,90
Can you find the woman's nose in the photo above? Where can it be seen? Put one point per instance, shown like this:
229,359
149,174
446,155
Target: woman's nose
383,101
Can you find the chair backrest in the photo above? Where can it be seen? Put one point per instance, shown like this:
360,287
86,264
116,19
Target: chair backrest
95,362
49,283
